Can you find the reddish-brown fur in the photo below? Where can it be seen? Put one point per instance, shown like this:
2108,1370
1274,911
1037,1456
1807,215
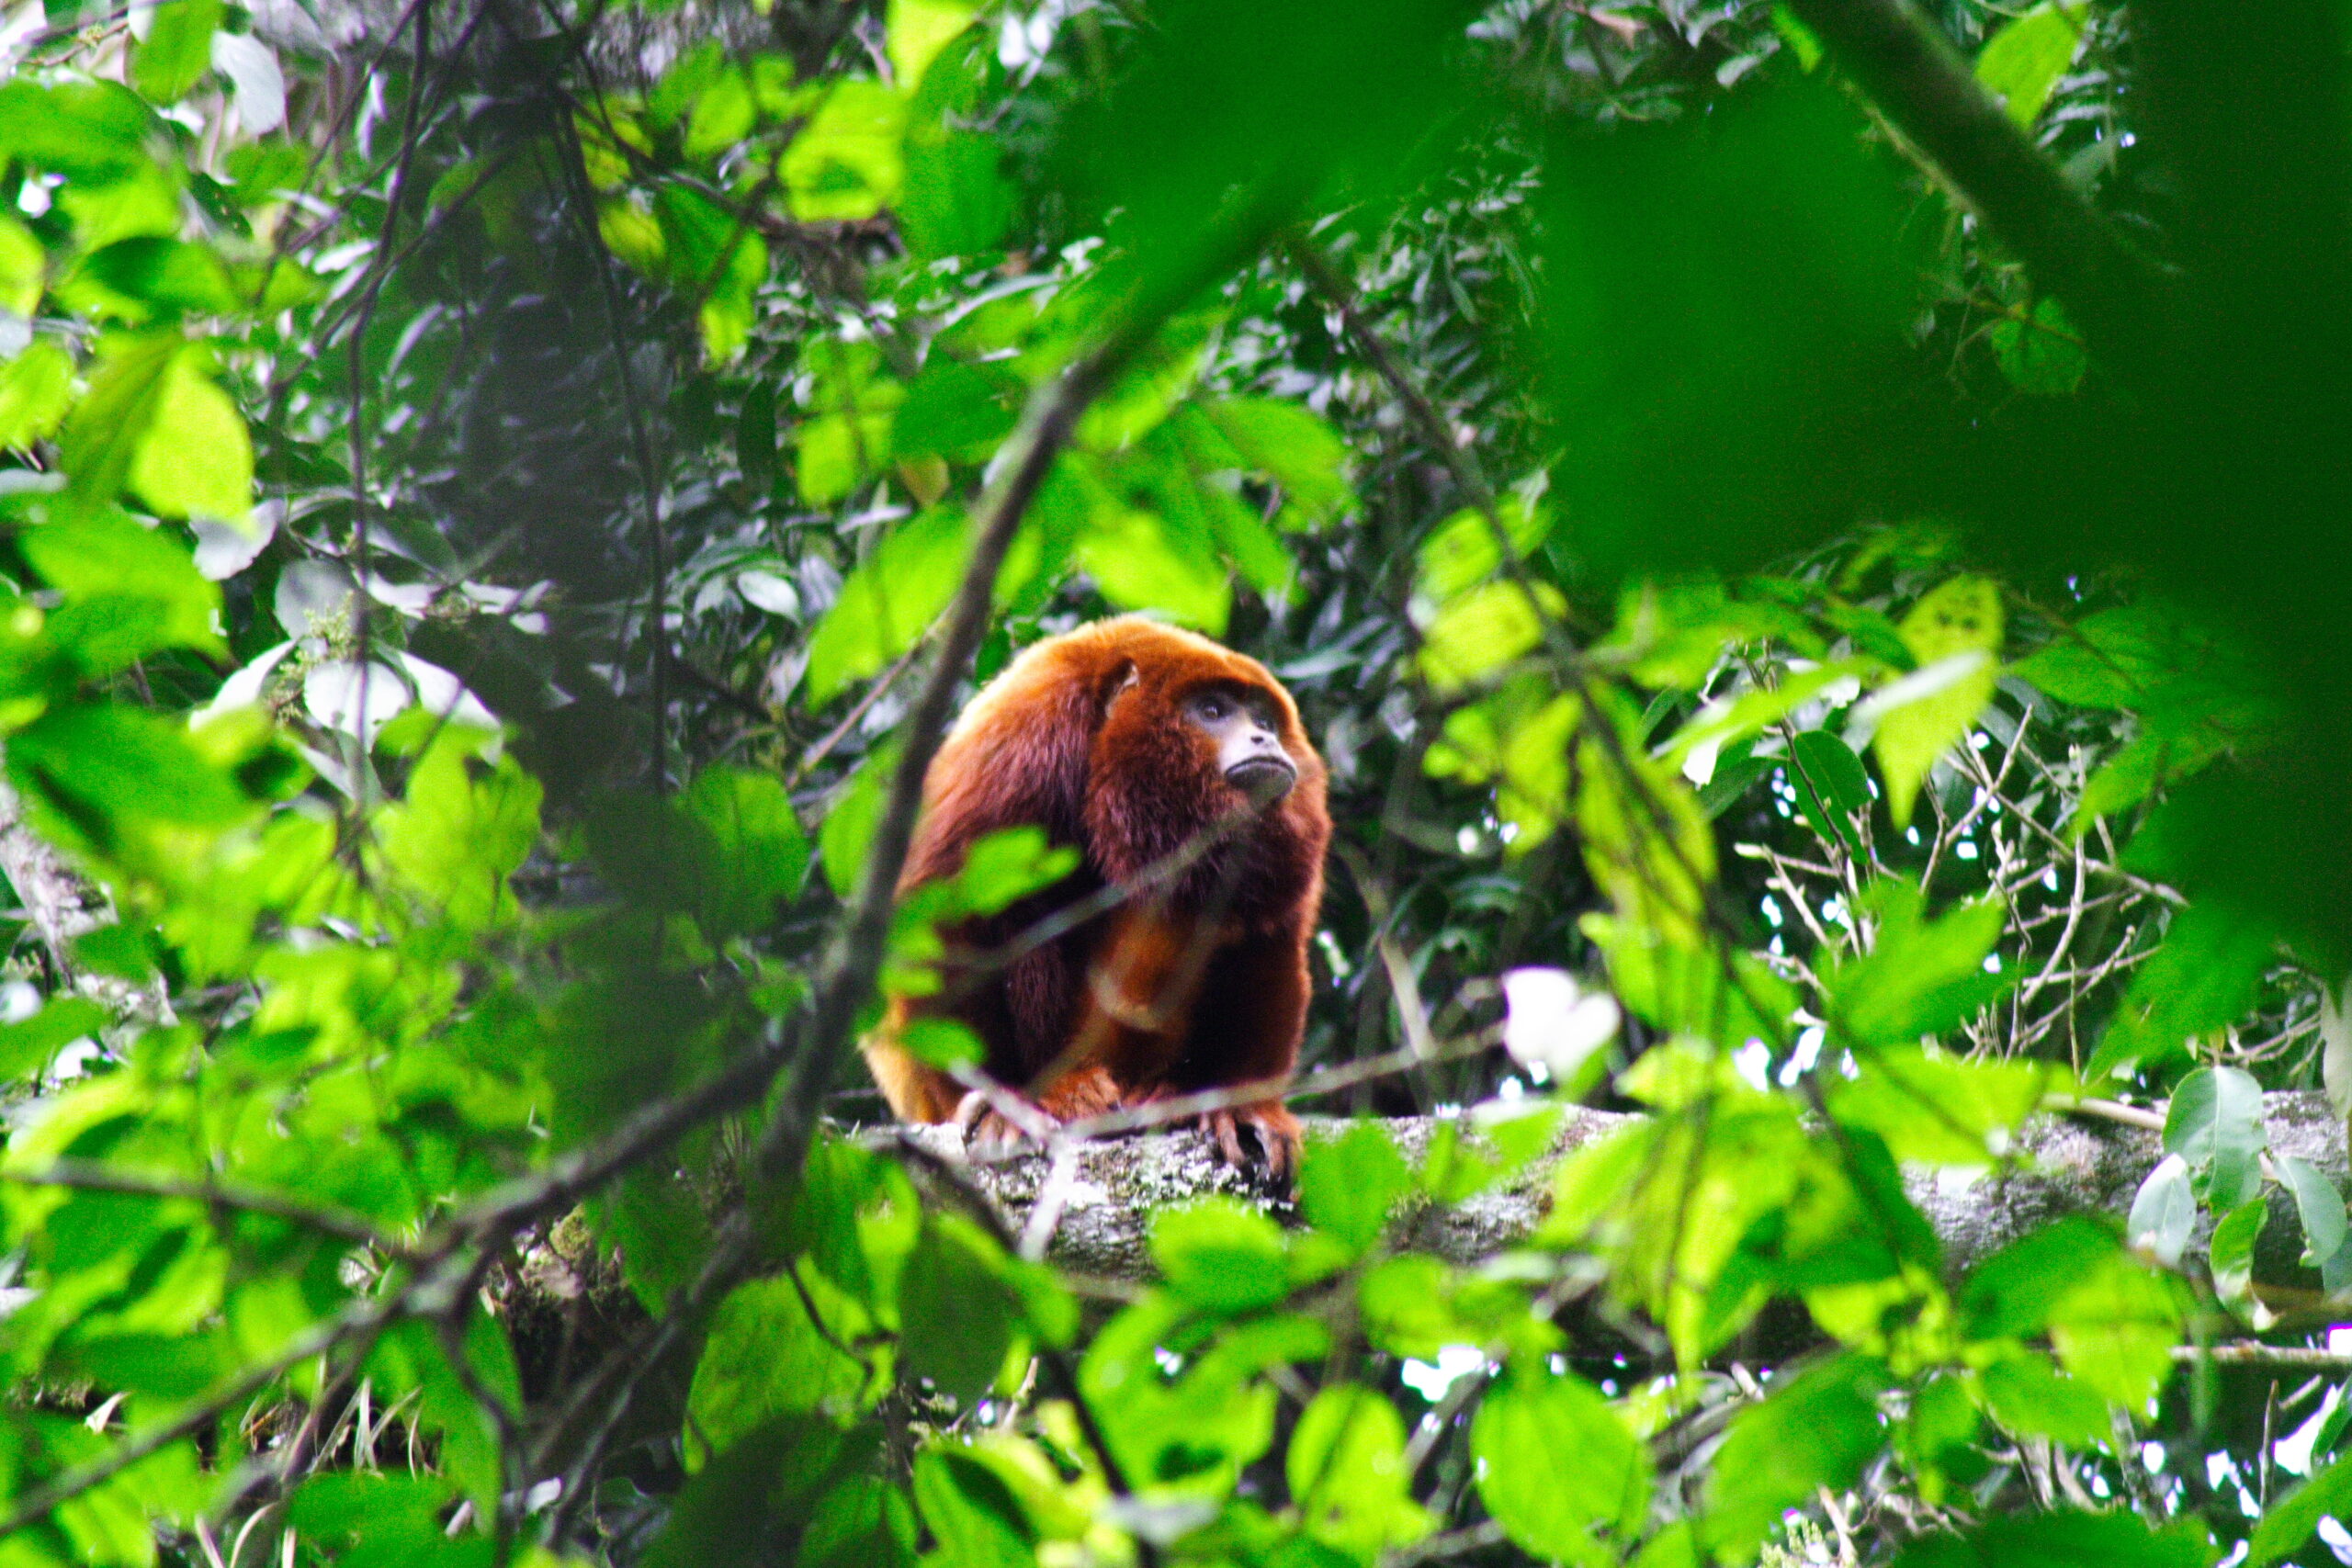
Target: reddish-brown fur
1199,983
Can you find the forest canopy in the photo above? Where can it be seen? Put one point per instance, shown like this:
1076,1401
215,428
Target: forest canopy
1808,535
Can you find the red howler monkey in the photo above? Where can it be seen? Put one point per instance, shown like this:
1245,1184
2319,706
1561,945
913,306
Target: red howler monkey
1127,740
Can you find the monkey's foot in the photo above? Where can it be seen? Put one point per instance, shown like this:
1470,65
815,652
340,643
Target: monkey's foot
1278,1138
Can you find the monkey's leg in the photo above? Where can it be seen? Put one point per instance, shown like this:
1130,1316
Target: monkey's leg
1244,1031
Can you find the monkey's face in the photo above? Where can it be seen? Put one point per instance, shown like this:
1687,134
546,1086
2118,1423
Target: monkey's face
1243,726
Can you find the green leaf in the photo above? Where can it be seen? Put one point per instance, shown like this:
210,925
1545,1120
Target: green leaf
1476,634
2112,660
2042,351
957,1312
177,50
1646,843
956,410
1921,976
970,1510
1954,633
24,269
773,1480
1833,792
108,777
1464,551
2327,1229
86,130
2012,1294
942,1041
834,451
1817,1430
1291,445
1221,1254
1936,1109
2214,1123
2024,59
153,273
2163,1211
888,601
957,201
2028,1395
35,389
194,459
764,1357
130,590
414,1355
2118,1329
1005,866
1347,1474
1517,740
2066,1538
661,1233
461,831
27,1045
1139,564
387,1518
2204,977
1759,708
2233,1251
1350,1184
848,162
108,426
1557,1464
757,854
2290,1522
1687,991
723,114
919,30
849,824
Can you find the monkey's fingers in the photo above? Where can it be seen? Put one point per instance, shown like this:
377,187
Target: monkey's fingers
997,1136
1221,1125
1281,1155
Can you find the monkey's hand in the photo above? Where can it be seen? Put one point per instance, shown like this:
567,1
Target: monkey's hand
1278,1139
1004,1125
1007,1122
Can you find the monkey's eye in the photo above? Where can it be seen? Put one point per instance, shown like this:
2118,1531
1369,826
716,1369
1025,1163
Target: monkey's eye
1212,707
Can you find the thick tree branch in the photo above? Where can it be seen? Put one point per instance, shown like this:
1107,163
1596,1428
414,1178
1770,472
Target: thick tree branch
2064,1165
1918,79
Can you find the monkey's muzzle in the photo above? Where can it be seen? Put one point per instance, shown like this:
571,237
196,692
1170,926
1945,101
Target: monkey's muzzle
1264,779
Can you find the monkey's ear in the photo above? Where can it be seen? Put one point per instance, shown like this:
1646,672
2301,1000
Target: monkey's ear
1115,680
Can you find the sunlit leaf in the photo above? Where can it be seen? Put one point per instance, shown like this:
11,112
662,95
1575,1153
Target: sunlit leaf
177,50
848,161
1816,1429
1347,1473
1954,633
195,459
1350,1183
2026,58
888,601
1220,1255
35,389
24,268
1557,1464
918,31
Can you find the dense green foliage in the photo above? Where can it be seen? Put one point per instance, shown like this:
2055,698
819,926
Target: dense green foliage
484,507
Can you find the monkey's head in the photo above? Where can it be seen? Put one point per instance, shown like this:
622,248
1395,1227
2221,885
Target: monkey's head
1185,732
1244,723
